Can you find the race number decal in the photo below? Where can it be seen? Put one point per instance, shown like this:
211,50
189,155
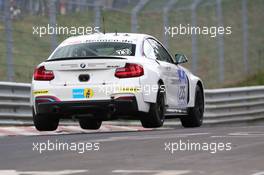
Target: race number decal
182,93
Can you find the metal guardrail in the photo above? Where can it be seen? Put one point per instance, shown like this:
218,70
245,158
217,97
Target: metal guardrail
15,103
222,105
234,104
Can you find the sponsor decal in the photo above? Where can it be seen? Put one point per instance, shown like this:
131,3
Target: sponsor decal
112,40
182,76
183,88
129,89
82,93
123,52
82,65
40,92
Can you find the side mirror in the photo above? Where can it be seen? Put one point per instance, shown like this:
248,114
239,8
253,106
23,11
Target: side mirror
180,58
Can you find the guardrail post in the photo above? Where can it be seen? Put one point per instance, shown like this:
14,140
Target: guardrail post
220,41
245,36
52,20
9,41
136,9
166,11
97,15
194,36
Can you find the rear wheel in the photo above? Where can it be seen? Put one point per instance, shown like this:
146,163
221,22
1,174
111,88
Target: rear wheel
86,123
155,117
45,122
195,114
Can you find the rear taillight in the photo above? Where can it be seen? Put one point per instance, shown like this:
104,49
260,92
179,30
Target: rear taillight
130,70
42,74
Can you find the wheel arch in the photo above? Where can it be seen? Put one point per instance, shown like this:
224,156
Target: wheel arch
160,82
200,84
193,83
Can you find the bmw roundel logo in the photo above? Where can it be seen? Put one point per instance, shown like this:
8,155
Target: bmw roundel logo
82,65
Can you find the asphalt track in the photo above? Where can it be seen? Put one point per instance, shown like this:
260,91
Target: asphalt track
139,152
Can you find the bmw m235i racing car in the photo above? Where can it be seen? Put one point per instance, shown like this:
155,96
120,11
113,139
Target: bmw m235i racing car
99,77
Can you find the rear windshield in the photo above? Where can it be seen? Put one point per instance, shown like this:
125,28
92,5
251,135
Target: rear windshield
95,49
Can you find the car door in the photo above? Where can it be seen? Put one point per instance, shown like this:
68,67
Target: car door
176,78
182,88
168,70
151,51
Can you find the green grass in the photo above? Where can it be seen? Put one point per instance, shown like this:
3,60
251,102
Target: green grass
257,79
30,50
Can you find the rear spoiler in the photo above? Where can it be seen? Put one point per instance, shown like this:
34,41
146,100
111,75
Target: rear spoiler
84,58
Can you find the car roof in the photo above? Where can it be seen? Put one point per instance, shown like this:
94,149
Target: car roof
134,38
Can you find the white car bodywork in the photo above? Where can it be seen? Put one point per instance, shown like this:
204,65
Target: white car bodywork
179,83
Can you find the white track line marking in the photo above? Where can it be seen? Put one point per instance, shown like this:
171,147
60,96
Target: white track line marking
148,137
247,134
259,173
63,172
152,172
240,135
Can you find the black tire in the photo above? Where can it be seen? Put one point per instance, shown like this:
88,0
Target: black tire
195,114
45,123
155,117
86,123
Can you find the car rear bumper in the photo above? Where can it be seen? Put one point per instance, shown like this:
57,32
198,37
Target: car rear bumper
70,108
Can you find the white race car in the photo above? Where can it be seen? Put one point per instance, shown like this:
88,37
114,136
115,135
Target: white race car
101,77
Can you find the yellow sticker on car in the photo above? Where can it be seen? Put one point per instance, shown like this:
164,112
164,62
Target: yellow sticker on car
40,92
129,89
88,93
